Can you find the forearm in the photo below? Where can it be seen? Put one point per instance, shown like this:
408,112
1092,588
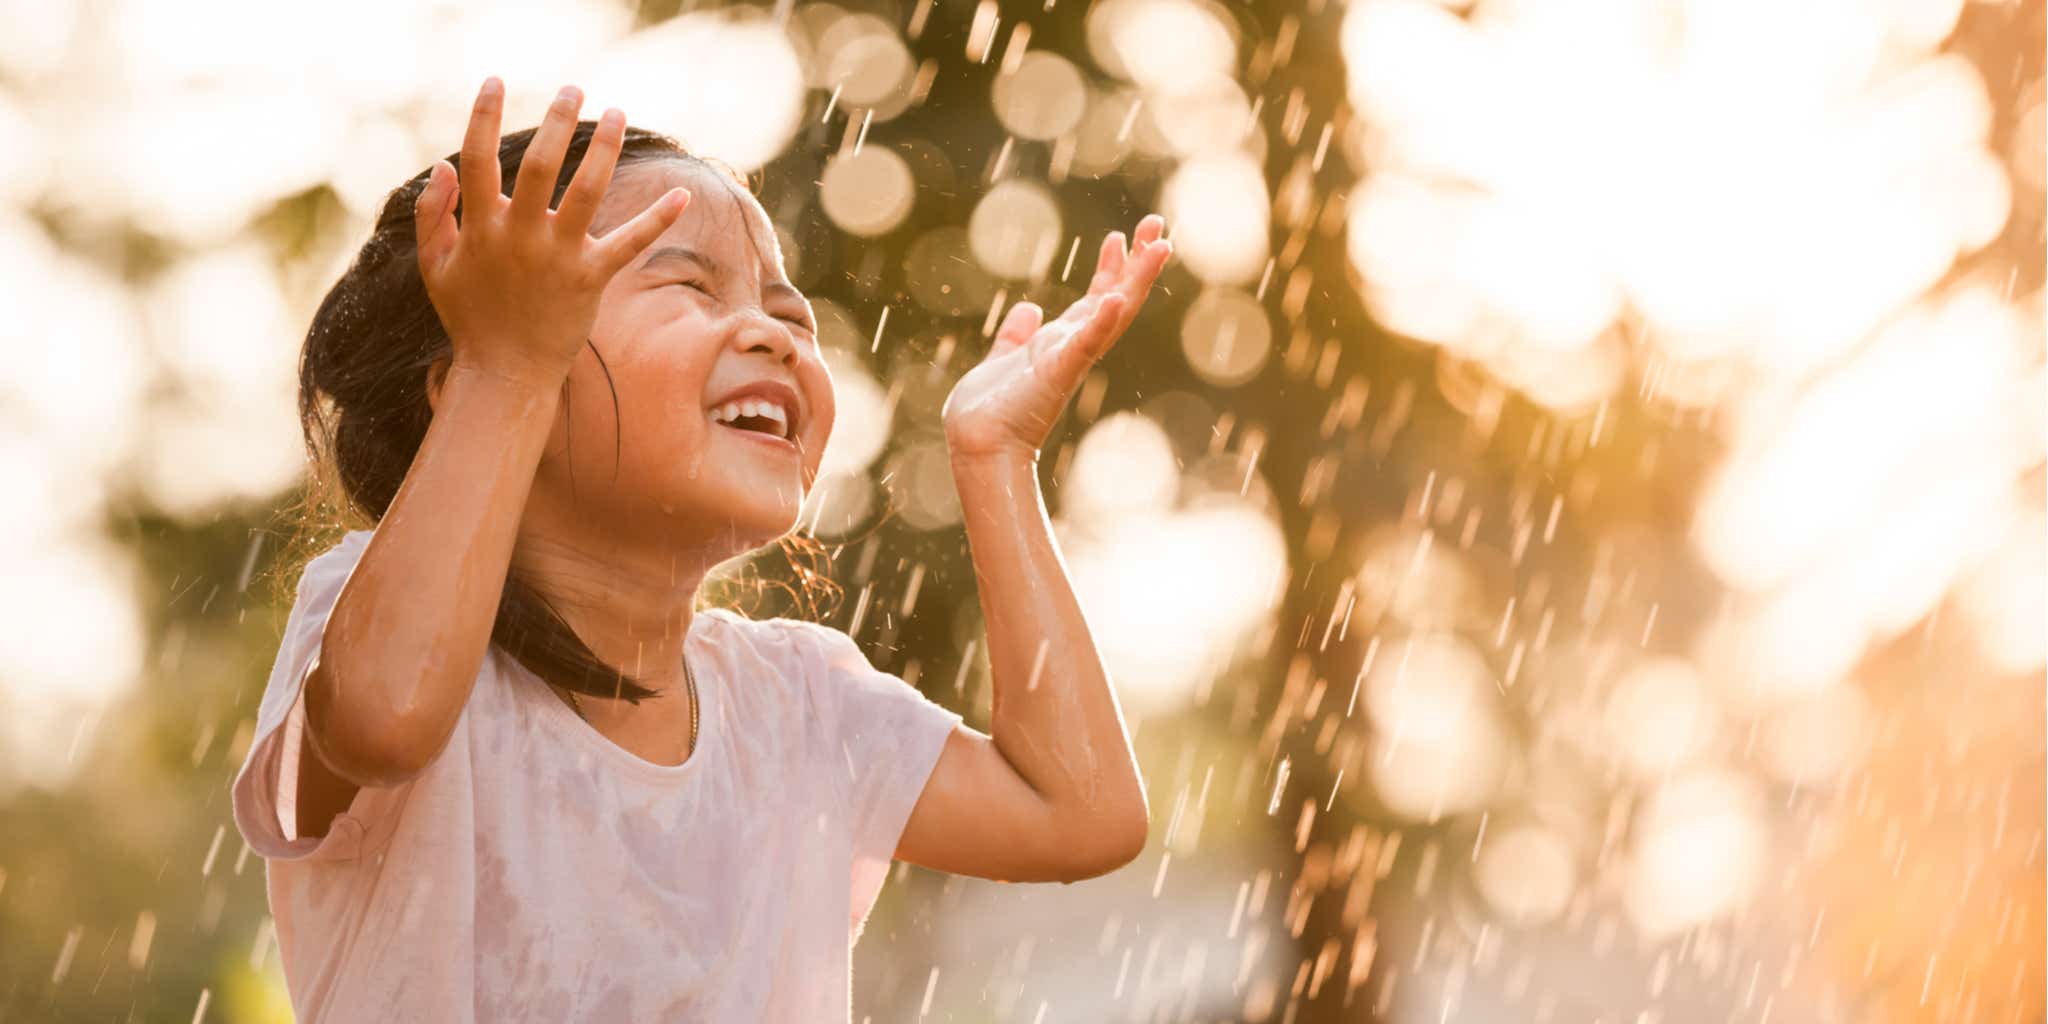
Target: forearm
410,628
1056,718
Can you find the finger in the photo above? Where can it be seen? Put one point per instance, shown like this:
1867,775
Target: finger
542,164
1103,328
580,202
433,216
1109,265
1139,274
1149,230
480,173
618,246
1019,325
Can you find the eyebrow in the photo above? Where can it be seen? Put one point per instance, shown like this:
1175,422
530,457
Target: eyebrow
677,253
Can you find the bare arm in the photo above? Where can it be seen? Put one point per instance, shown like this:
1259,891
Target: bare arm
410,627
517,287
1054,792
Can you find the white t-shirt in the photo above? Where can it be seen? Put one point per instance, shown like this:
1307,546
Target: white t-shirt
537,871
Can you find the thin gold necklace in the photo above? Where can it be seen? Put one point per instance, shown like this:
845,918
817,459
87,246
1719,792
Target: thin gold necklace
688,676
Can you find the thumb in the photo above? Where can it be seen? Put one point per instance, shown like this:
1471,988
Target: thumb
433,216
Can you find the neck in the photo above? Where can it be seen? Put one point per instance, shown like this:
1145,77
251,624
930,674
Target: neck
631,607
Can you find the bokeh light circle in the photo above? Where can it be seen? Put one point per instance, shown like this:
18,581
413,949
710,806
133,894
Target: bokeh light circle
1226,336
1164,45
1044,98
1124,466
944,276
1526,873
1103,139
1438,745
920,482
865,59
1698,852
836,503
1660,717
867,193
1015,229
1212,118
860,417
1218,209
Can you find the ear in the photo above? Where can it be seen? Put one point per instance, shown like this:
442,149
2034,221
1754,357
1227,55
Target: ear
437,374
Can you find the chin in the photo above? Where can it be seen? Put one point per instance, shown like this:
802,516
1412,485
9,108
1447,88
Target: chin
747,521
768,523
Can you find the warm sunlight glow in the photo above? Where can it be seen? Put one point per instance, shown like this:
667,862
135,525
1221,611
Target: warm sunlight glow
1697,854
1527,873
726,83
1218,208
228,427
1438,745
860,417
1123,468
1165,45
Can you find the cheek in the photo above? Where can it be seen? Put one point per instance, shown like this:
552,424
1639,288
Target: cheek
824,415
651,398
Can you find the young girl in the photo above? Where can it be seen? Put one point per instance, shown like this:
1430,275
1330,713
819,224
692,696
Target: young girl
504,768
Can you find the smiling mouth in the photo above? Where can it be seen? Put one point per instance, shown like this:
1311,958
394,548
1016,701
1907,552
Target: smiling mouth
760,436
764,416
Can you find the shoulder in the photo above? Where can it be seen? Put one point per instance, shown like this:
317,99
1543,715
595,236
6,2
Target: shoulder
320,580
777,664
777,637
333,565
805,653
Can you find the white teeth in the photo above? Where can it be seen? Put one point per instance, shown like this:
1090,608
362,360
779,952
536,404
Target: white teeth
731,411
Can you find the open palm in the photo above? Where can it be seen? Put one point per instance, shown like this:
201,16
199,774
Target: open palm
1010,400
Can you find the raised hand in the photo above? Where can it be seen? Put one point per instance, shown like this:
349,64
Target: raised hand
517,286
1010,400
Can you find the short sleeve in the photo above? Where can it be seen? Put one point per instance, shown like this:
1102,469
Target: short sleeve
889,737
265,792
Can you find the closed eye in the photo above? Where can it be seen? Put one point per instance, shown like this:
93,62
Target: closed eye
797,320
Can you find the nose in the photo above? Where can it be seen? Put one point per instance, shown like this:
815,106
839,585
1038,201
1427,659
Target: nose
757,331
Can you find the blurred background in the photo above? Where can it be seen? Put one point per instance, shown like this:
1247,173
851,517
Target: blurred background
1567,528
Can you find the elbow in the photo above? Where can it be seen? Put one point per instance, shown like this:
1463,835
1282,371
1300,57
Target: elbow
1132,843
369,750
1120,844
370,765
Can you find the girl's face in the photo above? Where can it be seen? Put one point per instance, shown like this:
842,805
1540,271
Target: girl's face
703,312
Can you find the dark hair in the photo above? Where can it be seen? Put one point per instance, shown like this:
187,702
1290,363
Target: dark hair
363,402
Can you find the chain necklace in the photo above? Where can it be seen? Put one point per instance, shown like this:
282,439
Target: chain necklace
688,676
